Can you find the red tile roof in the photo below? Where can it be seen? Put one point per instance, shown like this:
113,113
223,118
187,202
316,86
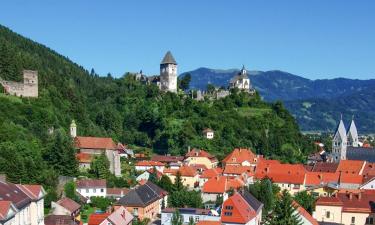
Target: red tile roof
149,163
91,183
305,214
321,178
281,173
94,143
69,204
325,167
32,190
200,153
185,171
97,218
221,184
84,157
207,222
167,158
349,178
211,173
240,155
351,166
359,202
238,170
4,209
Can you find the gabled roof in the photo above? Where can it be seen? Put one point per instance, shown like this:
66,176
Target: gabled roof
239,155
281,173
167,158
69,204
5,207
149,163
238,170
94,143
211,173
351,166
325,167
240,208
120,216
142,195
11,192
321,178
94,183
187,171
221,184
349,178
303,213
97,218
208,222
59,220
168,59
200,153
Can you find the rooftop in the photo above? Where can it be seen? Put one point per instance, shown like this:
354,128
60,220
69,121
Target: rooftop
94,143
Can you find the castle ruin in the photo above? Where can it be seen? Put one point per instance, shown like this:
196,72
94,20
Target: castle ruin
27,88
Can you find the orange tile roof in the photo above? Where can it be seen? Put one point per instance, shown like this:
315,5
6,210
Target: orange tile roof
221,184
84,157
240,155
69,204
97,218
149,163
281,173
94,143
188,171
369,169
359,202
4,209
321,178
238,170
211,173
305,214
351,166
200,153
351,178
241,213
32,190
207,222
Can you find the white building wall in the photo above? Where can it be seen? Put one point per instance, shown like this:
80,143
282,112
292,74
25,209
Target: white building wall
93,192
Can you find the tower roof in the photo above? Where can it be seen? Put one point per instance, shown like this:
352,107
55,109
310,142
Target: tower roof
340,130
168,59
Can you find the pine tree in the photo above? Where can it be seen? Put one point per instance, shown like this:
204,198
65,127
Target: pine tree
191,221
284,212
177,219
178,182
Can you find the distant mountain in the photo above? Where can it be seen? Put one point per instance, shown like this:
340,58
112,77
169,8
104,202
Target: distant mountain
316,104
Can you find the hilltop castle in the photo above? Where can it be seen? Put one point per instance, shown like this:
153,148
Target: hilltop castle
27,88
345,145
168,73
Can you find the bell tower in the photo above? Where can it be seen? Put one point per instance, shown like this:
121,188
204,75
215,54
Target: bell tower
73,129
168,73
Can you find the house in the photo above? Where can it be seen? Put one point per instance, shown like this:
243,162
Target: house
84,160
167,159
120,216
96,146
208,174
241,81
187,213
189,175
21,204
369,184
116,193
66,206
208,133
324,167
60,220
290,177
92,188
321,179
241,157
146,175
350,181
219,187
351,166
238,170
145,201
242,208
148,164
346,208
198,156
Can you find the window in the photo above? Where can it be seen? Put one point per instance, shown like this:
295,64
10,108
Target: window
196,218
87,190
229,207
227,213
353,219
369,220
94,190
102,190
328,214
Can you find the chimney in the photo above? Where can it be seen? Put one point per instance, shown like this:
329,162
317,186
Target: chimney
350,195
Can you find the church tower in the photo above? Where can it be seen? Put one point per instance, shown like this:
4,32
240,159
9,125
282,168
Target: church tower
73,129
339,142
168,73
352,135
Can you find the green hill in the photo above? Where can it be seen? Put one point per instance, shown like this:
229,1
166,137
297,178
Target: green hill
125,110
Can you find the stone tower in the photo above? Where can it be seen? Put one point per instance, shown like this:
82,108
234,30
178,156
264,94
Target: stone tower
168,73
30,83
352,135
73,129
339,143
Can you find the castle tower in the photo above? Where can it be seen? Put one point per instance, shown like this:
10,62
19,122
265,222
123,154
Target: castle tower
73,129
30,83
352,135
168,73
339,142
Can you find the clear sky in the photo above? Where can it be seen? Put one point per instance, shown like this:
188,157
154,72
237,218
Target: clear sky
314,39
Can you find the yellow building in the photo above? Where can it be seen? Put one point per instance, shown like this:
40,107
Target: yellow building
201,157
189,176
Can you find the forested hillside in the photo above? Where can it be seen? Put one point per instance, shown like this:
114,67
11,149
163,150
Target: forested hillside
126,110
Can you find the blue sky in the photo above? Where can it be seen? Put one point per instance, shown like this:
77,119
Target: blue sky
314,39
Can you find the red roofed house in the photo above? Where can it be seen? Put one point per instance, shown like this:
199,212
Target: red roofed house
304,216
120,216
66,206
147,164
84,160
351,166
219,186
97,146
290,177
21,204
210,173
189,175
346,208
242,208
241,157
197,156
